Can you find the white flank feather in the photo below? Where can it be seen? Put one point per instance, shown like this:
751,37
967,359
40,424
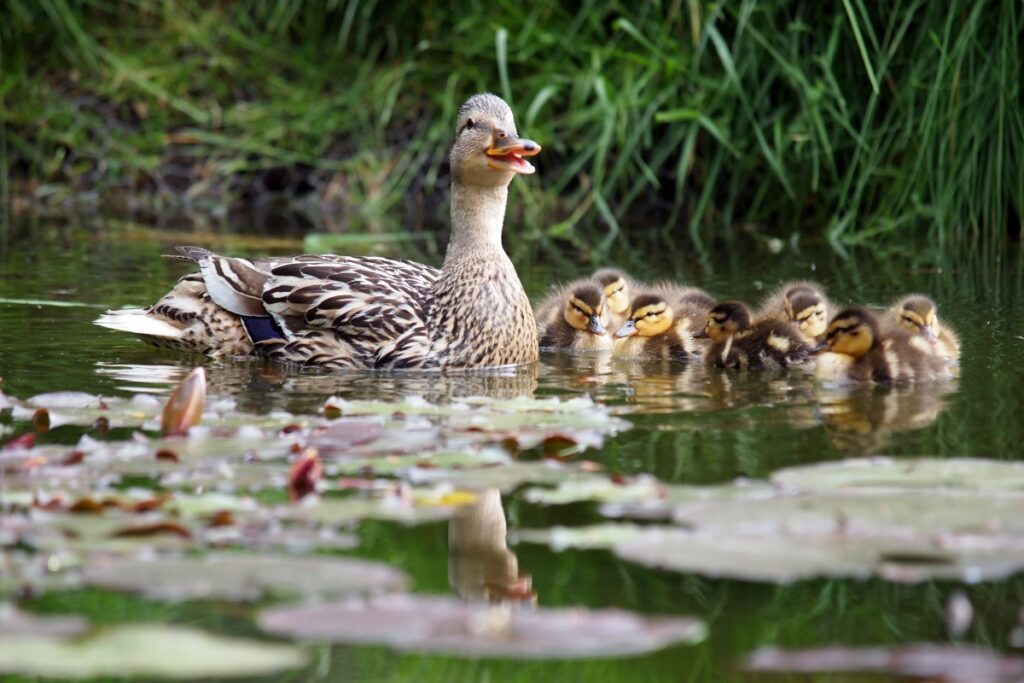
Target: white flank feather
138,321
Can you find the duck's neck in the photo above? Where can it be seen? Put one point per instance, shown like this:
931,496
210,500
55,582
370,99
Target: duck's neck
478,214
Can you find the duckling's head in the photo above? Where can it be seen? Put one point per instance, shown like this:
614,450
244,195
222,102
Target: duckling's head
616,289
488,151
917,315
726,319
806,308
583,309
649,316
853,332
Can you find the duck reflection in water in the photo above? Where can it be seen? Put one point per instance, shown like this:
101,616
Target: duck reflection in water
864,418
481,568
260,386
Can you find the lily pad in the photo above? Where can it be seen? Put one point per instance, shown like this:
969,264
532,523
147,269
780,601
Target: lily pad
597,536
783,558
148,650
947,663
445,625
950,474
17,624
241,577
600,489
892,514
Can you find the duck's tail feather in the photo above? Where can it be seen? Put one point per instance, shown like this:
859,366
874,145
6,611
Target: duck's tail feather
138,321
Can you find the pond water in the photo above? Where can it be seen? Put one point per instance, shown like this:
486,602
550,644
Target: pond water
688,426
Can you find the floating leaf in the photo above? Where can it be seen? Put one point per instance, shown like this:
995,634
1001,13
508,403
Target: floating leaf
951,474
241,577
17,624
597,488
148,650
947,663
883,513
597,536
446,625
783,558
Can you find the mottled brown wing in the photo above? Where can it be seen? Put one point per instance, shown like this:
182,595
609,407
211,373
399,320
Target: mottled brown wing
377,307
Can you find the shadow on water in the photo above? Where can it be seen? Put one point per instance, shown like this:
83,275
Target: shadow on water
690,425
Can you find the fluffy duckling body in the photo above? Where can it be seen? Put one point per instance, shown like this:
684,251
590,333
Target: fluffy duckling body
803,305
692,302
655,330
737,341
860,352
617,288
918,315
573,320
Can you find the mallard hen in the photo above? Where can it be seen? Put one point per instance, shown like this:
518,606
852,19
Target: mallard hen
371,312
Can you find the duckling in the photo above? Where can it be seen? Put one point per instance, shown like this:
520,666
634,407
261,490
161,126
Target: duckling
917,314
617,287
739,342
368,311
694,302
573,320
860,352
655,330
802,304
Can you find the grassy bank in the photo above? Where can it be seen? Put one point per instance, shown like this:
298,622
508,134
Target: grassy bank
849,120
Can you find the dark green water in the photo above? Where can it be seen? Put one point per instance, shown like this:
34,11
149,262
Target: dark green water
689,426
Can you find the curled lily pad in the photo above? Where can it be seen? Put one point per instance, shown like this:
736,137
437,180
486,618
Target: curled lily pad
184,408
945,663
241,577
950,474
148,650
445,625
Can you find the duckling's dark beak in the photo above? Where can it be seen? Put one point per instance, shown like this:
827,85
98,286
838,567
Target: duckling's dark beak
929,333
595,325
819,347
703,334
506,154
629,328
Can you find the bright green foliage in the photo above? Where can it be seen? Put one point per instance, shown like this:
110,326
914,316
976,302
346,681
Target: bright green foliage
846,120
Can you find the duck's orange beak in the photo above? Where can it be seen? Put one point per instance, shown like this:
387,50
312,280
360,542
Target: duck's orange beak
507,154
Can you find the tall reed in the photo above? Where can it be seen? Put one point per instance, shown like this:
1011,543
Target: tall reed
849,122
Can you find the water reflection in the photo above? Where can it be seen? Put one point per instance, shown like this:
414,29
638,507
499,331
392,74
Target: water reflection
863,418
671,396
481,568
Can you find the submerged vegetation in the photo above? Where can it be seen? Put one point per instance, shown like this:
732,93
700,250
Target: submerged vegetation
842,121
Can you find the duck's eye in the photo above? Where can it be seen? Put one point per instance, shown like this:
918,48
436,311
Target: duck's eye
469,124
579,310
617,291
651,314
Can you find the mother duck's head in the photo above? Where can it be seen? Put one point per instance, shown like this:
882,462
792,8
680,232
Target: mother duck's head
488,150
